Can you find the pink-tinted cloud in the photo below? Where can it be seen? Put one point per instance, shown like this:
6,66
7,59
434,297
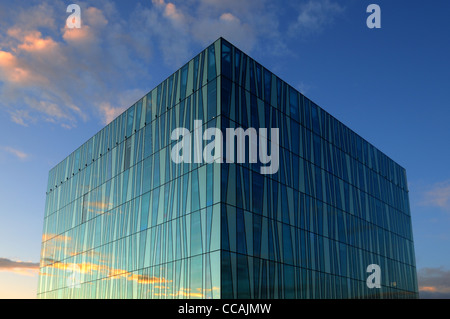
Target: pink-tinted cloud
171,12
78,35
19,267
109,113
95,17
58,75
434,283
229,17
72,75
35,42
93,23
11,71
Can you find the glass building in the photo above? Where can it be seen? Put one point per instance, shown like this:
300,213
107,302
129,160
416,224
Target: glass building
123,220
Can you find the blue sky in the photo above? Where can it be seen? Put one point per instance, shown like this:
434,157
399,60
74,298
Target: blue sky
58,87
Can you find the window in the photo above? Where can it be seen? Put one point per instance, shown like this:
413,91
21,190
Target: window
127,155
226,60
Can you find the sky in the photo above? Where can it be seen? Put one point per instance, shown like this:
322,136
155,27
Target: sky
60,86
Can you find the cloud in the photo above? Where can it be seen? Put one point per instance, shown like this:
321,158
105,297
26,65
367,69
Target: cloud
17,153
58,75
79,36
179,26
229,18
109,111
95,17
314,16
437,195
434,283
19,267
50,73
171,11
11,70
303,87
21,117
94,23
42,15
52,110
33,41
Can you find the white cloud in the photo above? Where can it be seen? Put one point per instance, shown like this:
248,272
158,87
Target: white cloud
438,195
21,117
179,26
41,15
314,16
229,18
303,87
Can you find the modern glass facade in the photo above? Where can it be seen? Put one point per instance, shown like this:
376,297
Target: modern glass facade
123,220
